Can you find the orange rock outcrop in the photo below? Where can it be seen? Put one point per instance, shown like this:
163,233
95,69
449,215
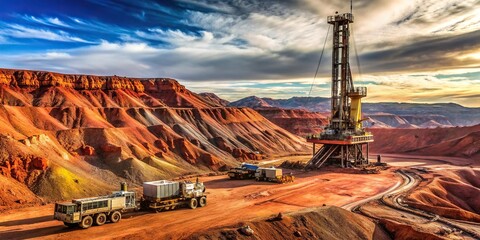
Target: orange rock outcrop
22,168
36,79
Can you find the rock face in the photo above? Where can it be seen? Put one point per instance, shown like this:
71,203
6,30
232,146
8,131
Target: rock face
298,121
287,113
173,94
454,141
87,150
133,129
24,169
37,79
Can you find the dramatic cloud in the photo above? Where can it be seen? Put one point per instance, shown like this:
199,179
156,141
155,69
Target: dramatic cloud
424,50
18,31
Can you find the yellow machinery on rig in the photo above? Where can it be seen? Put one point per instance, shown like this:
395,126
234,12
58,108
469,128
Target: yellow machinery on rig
356,106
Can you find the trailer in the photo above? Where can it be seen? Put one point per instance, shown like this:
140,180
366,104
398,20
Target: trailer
273,175
245,171
96,210
157,195
168,195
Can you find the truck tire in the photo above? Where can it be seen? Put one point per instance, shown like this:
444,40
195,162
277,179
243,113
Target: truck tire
100,219
193,203
115,217
86,222
202,201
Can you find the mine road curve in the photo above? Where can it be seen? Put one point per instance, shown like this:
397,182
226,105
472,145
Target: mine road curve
353,205
393,199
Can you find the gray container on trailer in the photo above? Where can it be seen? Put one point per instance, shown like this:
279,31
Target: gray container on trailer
271,172
161,189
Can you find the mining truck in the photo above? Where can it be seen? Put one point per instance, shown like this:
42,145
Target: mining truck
157,196
272,174
96,210
245,171
168,195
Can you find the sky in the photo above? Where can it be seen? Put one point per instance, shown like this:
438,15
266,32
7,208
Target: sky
423,51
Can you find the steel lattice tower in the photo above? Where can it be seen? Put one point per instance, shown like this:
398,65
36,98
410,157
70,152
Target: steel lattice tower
344,140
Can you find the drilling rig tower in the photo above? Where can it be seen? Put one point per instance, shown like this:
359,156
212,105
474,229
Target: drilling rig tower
344,141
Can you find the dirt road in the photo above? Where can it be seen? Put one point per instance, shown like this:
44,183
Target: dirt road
392,206
229,202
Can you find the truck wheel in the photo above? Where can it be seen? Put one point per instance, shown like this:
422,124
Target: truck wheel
202,201
193,203
100,219
86,222
115,217
70,225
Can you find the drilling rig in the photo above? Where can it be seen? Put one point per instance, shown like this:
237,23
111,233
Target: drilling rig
344,141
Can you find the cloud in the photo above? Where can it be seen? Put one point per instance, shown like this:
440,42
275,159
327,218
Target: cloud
277,29
123,59
49,21
426,53
216,6
212,41
149,10
56,21
18,31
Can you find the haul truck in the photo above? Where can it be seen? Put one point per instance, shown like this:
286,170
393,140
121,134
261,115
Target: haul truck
272,175
96,210
245,171
167,195
157,195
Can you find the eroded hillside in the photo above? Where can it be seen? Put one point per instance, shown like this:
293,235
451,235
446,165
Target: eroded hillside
68,136
461,142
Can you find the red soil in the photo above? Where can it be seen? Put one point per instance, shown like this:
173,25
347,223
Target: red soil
406,231
322,223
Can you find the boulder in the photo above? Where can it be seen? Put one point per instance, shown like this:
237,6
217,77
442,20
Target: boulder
110,148
87,150
40,163
162,145
246,230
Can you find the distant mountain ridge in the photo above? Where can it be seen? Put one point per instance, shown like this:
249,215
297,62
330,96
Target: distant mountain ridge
446,114
312,104
212,97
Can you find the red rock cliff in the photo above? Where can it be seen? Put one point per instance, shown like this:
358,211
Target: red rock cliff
36,79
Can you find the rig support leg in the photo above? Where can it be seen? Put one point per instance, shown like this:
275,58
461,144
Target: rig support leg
367,154
341,154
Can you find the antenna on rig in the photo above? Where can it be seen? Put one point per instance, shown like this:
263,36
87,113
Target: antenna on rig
351,6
